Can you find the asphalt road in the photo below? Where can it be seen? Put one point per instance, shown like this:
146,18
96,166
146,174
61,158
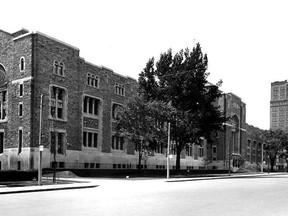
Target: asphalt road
266,195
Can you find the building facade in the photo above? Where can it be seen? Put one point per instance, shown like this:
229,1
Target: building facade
279,112
279,105
51,96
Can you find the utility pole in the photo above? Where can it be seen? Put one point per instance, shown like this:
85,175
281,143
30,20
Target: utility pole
229,157
261,157
168,151
40,146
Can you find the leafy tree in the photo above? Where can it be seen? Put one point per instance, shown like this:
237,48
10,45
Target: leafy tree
276,141
143,123
181,81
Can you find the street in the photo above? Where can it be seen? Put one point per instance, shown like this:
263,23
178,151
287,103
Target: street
260,195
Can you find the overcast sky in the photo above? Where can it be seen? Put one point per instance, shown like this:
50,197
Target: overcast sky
246,41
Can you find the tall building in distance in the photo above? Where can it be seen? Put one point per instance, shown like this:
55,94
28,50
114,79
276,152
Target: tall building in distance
279,105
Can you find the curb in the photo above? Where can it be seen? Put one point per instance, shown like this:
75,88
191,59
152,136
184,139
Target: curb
29,189
223,177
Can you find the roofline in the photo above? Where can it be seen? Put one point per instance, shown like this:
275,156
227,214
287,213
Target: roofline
52,38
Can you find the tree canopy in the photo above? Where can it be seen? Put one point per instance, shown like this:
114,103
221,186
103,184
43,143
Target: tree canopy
181,81
143,122
275,142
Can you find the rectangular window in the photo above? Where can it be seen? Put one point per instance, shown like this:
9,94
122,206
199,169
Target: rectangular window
20,139
57,102
60,147
57,142
84,138
90,139
92,80
159,149
18,165
117,142
20,109
95,143
189,150
200,151
91,105
21,89
53,142
214,149
1,142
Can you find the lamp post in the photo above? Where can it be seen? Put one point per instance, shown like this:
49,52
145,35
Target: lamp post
261,157
168,152
40,145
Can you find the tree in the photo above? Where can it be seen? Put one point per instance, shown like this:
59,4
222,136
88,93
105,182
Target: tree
143,123
276,141
181,81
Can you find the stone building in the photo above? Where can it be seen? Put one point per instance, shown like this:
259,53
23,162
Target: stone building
78,99
78,103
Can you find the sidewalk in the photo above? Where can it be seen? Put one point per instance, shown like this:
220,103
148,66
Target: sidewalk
225,176
80,183
73,184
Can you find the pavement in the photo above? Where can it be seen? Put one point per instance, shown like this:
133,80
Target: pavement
81,183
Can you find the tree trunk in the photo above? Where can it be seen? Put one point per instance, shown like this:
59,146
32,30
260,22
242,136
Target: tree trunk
272,162
139,161
54,167
178,157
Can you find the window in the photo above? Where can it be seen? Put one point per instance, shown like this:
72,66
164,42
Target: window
21,89
214,149
91,105
57,102
200,151
20,139
189,150
115,108
18,165
92,80
58,142
119,89
90,139
1,142
117,142
20,109
159,149
59,68
3,105
173,148
22,64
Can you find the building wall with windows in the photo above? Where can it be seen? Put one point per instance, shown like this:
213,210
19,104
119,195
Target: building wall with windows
79,100
279,105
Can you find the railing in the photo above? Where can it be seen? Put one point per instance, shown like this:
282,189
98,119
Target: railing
63,165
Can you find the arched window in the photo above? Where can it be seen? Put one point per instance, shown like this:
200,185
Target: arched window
22,64
61,69
56,66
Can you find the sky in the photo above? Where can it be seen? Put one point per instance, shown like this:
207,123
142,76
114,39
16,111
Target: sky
246,41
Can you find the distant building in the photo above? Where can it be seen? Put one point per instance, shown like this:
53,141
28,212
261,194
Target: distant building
279,112
279,105
78,104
